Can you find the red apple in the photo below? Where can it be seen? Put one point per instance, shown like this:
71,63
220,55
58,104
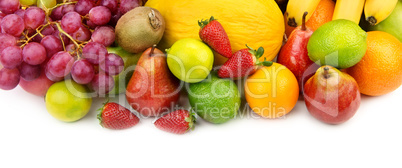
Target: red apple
38,87
332,96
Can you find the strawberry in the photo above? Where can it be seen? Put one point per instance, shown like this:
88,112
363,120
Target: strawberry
243,63
177,122
214,35
115,116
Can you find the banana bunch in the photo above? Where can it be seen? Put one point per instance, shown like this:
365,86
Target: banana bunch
376,11
296,9
348,9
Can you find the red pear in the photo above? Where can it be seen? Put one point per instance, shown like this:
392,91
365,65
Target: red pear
294,55
332,96
152,89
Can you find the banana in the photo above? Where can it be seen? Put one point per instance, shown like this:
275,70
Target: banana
348,9
296,9
376,11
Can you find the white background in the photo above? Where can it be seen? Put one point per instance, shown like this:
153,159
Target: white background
30,137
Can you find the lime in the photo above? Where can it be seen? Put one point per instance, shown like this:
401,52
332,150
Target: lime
68,101
190,60
339,43
215,100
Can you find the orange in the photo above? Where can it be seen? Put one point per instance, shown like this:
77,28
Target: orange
272,92
380,70
322,14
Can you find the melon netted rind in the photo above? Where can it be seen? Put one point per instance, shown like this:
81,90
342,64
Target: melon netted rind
254,22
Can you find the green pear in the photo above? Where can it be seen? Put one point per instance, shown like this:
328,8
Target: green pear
121,80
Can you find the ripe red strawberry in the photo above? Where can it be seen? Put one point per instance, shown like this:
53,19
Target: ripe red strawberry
177,122
214,35
243,63
115,116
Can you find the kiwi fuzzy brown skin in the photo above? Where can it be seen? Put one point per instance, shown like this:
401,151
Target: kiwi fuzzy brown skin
140,29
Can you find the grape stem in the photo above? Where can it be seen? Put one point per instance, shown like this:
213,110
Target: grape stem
38,30
67,35
61,4
48,10
62,42
79,44
25,34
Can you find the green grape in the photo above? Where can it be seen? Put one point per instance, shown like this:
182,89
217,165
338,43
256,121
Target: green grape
28,2
46,3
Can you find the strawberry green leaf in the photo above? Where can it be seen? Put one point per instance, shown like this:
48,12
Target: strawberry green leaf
203,22
264,63
191,120
251,50
99,116
211,19
267,63
249,47
260,52
200,24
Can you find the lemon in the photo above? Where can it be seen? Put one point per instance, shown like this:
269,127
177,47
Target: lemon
340,43
190,60
68,101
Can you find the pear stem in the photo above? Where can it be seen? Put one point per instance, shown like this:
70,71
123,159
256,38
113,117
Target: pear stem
326,72
303,27
152,50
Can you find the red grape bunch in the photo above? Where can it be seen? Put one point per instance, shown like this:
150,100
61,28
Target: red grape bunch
67,40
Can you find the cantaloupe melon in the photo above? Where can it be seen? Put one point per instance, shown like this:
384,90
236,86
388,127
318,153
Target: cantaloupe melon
253,22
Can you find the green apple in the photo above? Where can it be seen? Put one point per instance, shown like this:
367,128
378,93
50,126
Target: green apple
121,80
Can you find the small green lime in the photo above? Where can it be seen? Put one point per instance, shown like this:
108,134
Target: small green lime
68,101
190,60
215,100
340,43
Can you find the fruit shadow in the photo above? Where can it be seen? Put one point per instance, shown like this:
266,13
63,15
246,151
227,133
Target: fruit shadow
245,111
98,102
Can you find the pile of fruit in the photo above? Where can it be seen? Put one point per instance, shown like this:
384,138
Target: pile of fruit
327,52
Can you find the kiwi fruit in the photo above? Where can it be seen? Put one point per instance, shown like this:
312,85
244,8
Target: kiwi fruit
139,29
